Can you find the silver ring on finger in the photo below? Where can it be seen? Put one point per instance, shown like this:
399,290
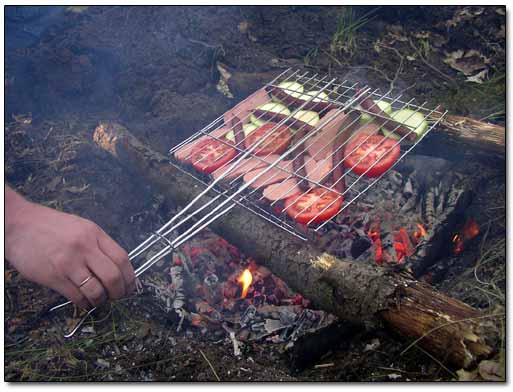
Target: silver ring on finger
86,280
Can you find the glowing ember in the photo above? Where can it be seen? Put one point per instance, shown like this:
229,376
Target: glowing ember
375,236
421,232
402,245
469,231
245,280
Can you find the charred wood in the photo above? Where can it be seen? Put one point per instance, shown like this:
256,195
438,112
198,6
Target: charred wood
449,329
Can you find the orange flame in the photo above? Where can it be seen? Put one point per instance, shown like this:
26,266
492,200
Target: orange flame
245,279
469,231
422,231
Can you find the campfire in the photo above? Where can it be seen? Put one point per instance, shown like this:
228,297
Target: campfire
387,213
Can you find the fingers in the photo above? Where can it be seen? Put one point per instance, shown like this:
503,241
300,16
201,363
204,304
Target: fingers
71,292
108,273
92,289
118,255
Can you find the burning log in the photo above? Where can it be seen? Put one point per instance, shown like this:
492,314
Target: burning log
449,329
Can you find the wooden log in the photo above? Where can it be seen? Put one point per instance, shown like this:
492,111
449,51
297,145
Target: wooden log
449,329
473,133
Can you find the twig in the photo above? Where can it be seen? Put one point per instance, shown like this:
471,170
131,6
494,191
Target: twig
48,134
447,324
399,68
209,364
437,361
324,365
424,60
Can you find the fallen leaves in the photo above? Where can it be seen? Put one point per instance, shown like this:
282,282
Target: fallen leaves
76,190
462,15
479,77
486,371
491,371
468,63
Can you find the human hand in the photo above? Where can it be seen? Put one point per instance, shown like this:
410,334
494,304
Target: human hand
61,251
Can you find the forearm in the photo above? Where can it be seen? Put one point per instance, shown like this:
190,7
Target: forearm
14,204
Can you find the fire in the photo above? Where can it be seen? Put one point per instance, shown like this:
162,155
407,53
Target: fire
402,245
245,280
375,236
421,232
470,230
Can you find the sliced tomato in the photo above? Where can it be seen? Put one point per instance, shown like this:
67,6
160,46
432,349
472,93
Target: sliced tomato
316,205
274,144
371,151
210,154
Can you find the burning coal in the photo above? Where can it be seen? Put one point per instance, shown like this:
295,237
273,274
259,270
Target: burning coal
245,280
469,231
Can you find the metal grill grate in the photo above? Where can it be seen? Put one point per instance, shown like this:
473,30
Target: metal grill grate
330,98
343,96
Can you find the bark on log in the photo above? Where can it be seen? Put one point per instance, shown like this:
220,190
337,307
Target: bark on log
449,329
474,133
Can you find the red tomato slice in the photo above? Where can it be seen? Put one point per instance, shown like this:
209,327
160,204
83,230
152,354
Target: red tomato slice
274,144
386,154
210,154
313,206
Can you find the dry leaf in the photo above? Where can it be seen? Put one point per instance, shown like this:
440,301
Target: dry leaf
464,375
501,33
243,26
422,34
479,77
464,14
466,62
77,189
491,371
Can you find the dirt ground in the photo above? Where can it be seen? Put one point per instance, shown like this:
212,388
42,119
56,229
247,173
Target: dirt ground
156,70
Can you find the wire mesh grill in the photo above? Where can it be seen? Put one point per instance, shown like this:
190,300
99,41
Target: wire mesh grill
340,109
244,172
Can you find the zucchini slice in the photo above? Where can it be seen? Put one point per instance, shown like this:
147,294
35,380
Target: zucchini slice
412,119
274,107
383,105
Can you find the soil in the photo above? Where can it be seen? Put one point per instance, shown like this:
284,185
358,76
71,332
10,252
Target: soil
156,71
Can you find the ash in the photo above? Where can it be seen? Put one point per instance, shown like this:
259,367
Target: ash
200,287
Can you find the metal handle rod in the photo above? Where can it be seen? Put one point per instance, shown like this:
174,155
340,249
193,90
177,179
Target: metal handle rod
143,268
152,239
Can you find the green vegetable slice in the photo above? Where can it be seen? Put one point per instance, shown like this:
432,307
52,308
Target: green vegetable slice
269,107
247,128
383,105
294,89
412,119
307,116
315,96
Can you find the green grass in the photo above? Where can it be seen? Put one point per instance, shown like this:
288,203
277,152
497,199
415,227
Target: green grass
344,39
